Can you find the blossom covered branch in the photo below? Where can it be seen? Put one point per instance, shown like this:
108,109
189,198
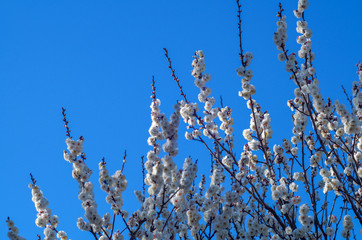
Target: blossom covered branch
308,186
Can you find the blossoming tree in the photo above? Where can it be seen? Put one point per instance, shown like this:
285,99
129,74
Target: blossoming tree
306,187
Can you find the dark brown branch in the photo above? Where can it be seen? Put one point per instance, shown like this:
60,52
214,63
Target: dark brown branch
66,123
177,80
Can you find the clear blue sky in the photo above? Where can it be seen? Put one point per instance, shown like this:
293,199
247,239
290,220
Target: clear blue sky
97,58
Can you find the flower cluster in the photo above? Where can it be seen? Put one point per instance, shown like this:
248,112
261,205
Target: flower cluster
350,122
227,121
189,111
161,129
82,173
347,225
188,174
305,220
13,231
44,217
357,96
114,186
246,75
75,148
89,205
201,78
280,36
259,121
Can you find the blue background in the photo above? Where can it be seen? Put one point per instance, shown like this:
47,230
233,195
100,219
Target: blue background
97,58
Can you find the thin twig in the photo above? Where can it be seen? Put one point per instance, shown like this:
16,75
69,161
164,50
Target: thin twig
349,99
66,123
177,80
241,54
124,160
